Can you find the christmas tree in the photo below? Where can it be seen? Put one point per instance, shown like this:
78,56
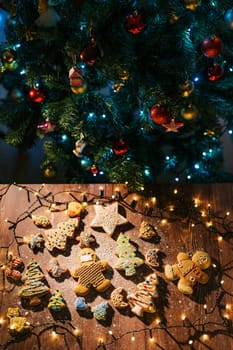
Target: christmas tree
120,91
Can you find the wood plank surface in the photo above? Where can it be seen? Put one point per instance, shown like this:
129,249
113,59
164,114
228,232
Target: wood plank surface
187,217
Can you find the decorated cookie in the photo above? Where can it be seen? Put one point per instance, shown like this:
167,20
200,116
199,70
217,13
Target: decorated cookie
146,231
189,271
41,221
69,226
151,257
85,239
100,311
117,298
108,218
75,209
126,252
80,304
35,241
17,325
55,270
14,267
89,273
34,287
57,238
142,299
56,302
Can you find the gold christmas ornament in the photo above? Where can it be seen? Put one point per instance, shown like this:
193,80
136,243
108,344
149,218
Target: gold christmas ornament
49,172
192,4
124,76
190,112
173,18
11,66
186,88
8,55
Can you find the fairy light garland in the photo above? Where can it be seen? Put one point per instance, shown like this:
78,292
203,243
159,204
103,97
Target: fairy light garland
197,215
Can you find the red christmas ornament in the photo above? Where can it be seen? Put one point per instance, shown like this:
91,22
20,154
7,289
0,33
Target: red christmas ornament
36,95
90,54
159,114
120,147
134,23
215,72
211,47
47,127
76,81
94,169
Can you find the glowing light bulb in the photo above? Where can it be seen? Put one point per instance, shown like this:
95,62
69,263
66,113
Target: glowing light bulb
76,332
133,338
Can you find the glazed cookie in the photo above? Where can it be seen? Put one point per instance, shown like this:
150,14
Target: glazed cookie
41,221
34,287
85,239
151,257
80,304
57,238
117,298
13,268
17,325
55,270
126,252
100,311
89,273
146,231
35,241
56,302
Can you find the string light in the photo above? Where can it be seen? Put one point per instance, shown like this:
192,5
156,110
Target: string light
183,317
54,334
133,338
76,332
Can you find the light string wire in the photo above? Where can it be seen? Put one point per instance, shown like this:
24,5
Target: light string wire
193,217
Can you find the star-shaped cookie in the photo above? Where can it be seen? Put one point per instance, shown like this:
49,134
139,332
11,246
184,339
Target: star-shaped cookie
108,218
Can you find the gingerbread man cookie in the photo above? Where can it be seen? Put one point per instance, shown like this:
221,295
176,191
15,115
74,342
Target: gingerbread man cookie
89,273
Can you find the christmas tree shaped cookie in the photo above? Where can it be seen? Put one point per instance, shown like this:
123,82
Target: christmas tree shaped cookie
56,302
34,288
57,238
128,261
142,299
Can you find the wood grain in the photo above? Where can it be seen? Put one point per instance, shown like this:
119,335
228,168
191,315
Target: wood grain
188,218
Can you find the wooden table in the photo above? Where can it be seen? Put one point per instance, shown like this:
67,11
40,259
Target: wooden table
187,218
